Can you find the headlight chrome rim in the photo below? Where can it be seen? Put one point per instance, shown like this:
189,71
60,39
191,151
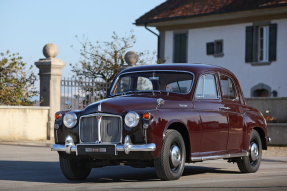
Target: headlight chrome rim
136,118
72,123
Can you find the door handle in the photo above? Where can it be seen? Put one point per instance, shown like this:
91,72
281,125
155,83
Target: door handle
225,108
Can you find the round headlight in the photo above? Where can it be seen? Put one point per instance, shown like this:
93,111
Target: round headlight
132,119
70,120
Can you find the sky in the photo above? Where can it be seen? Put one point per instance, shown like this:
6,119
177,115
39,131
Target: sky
27,25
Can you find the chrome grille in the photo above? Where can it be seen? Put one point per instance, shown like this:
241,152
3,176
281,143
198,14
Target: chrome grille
109,127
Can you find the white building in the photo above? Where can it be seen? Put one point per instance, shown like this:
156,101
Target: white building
247,37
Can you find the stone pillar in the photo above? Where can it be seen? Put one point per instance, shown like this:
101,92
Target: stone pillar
50,83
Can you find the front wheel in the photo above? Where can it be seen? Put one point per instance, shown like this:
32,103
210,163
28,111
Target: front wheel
170,163
251,163
74,170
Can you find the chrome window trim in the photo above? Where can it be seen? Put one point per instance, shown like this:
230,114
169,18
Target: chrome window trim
182,71
99,123
223,74
216,84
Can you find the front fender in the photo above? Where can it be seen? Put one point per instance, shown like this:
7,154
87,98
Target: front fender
254,120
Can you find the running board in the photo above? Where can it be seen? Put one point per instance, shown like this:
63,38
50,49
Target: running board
199,159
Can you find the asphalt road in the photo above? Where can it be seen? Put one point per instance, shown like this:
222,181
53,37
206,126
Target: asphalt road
37,168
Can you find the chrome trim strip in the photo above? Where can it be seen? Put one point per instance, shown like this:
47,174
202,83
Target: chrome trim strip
99,123
99,128
120,147
214,157
183,71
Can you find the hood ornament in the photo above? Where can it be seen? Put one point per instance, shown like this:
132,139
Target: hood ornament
160,102
99,107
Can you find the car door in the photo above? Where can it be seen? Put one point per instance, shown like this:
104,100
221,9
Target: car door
214,123
232,106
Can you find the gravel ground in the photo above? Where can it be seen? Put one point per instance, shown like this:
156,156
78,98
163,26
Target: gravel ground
275,151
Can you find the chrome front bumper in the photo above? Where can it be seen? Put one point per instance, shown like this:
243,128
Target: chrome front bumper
127,146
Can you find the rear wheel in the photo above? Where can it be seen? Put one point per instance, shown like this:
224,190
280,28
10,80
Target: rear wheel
251,163
170,164
74,169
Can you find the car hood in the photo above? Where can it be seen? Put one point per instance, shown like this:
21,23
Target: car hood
117,105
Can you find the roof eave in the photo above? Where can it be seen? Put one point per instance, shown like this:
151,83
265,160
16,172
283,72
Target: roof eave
170,20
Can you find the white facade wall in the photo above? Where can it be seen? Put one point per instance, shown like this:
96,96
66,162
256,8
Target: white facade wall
233,36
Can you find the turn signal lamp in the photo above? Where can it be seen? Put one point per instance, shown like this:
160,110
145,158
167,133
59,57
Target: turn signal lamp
146,115
58,116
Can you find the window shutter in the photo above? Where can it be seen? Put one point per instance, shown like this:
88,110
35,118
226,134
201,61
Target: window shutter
183,49
210,48
176,50
249,44
272,41
180,48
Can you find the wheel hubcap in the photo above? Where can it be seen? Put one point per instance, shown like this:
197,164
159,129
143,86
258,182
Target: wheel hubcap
254,151
175,155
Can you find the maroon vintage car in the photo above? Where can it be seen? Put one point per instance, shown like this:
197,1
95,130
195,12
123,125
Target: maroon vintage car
163,116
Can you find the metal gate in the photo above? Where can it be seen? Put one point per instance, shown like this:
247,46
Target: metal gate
82,92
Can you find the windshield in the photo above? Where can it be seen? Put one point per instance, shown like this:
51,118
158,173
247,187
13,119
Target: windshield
177,82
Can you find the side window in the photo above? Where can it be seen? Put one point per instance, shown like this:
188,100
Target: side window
227,87
206,88
144,84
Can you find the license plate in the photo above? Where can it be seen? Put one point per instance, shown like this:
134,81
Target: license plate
96,149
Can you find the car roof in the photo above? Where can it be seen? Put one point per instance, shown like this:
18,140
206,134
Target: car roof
195,68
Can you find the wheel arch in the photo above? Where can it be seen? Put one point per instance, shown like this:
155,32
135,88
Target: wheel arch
262,135
181,128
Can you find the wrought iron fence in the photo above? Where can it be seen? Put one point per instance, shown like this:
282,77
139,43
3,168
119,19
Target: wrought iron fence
82,92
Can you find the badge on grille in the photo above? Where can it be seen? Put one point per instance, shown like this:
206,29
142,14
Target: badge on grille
98,118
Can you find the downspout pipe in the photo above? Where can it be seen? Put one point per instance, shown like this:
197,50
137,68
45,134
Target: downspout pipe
158,40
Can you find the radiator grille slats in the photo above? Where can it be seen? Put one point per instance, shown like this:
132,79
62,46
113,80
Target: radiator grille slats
110,129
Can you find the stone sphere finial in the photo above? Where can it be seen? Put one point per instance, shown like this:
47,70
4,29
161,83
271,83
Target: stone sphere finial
131,58
50,50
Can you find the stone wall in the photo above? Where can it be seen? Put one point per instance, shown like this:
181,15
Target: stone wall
278,134
23,123
277,106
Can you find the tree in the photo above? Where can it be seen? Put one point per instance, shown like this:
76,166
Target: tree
17,87
104,59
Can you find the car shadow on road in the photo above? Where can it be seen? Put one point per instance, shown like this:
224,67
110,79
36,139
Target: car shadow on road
50,172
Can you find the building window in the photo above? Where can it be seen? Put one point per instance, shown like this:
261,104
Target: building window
215,48
263,43
180,48
261,90
218,47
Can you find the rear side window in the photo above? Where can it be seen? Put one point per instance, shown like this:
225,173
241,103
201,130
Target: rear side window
227,87
206,88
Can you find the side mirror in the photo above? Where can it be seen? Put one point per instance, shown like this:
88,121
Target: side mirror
68,105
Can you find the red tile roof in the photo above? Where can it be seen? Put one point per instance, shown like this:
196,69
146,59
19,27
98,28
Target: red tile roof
174,9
